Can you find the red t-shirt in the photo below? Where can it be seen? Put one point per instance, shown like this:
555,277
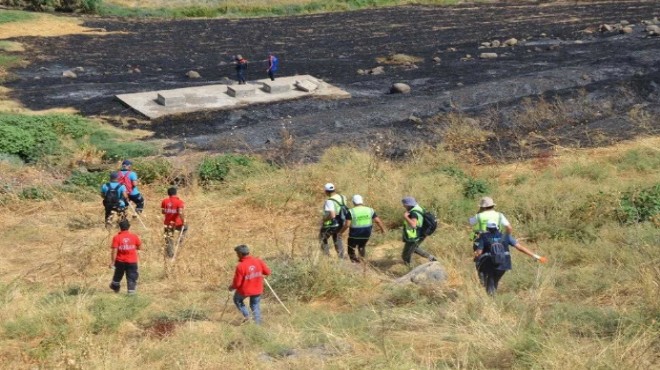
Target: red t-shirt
172,207
127,245
249,276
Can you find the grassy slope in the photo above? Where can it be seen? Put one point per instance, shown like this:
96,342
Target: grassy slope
594,305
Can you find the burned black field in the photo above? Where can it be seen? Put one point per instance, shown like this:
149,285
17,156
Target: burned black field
594,87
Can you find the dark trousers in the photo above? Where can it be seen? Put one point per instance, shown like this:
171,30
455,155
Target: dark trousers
488,274
138,200
131,271
120,211
413,247
271,74
331,232
361,245
240,76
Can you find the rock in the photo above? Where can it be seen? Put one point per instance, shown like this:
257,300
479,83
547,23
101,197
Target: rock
452,50
78,69
627,29
377,71
399,88
585,77
653,30
605,28
495,43
553,47
338,124
428,273
488,55
543,34
624,23
137,70
69,74
459,84
485,44
361,72
414,119
193,74
437,59
511,42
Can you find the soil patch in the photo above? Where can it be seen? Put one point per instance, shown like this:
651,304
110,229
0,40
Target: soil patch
555,57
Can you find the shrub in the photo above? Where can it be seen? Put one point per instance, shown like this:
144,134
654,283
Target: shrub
87,179
153,170
218,168
36,193
473,188
110,312
640,205
114,150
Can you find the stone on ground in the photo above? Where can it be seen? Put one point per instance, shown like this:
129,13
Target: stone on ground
69,74
428,273
511,42
399,88
437,59
377,71
488,55
193,74
495,43
653,30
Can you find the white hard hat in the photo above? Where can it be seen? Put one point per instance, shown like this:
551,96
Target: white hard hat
329,187
357,199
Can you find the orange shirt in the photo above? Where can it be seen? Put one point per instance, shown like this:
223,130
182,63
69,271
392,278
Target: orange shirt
172,207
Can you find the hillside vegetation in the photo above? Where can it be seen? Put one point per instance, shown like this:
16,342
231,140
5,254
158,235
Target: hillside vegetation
595,213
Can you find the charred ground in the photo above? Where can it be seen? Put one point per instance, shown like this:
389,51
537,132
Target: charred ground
599,77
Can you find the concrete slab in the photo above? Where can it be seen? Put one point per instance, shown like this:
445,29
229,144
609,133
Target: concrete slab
306,85
277,87
215,97
241,91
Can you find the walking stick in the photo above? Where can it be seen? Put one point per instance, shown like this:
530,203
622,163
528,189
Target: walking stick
178,243
275,294
138,216
224,309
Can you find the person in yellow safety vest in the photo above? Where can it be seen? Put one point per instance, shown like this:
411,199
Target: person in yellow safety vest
360,220
479,223
412,223
334,215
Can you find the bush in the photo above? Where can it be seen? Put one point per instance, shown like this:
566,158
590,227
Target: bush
640,205
35,193
153,170
473,188
87,179
114,150
306,281
218,168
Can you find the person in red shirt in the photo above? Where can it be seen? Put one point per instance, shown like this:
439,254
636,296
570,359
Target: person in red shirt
249,282
124,258
172,208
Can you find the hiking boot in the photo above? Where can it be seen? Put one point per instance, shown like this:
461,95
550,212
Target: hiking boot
115,288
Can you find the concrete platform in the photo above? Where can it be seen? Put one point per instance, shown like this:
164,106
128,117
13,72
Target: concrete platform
155,104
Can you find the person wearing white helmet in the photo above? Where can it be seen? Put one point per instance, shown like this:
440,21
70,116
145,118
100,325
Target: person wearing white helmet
334,215
486,214
412,236
493,258
359,221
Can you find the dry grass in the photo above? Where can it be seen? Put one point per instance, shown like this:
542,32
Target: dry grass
204,3
46,25
562,314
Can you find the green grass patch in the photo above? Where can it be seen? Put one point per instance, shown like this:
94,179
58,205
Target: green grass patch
222,167
110,311
641,204
7,16
51,137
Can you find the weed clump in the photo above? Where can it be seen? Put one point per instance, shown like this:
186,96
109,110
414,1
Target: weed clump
219,168
641,205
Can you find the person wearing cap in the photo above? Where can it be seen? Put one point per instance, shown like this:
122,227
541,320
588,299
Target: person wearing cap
116,200
412,223
273,65
487,214
485,259
130,180
124,258
241,67
334,214
248,282
359,221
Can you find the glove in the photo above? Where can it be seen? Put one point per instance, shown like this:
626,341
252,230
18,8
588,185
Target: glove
543,259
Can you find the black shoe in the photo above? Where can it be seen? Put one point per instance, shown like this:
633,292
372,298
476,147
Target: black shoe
114,288
433,259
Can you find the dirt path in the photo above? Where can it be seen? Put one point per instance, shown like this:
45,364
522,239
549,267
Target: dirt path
558,58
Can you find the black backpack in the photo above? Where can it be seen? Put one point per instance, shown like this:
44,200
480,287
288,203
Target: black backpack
343,210
429,225
111,197
498,252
